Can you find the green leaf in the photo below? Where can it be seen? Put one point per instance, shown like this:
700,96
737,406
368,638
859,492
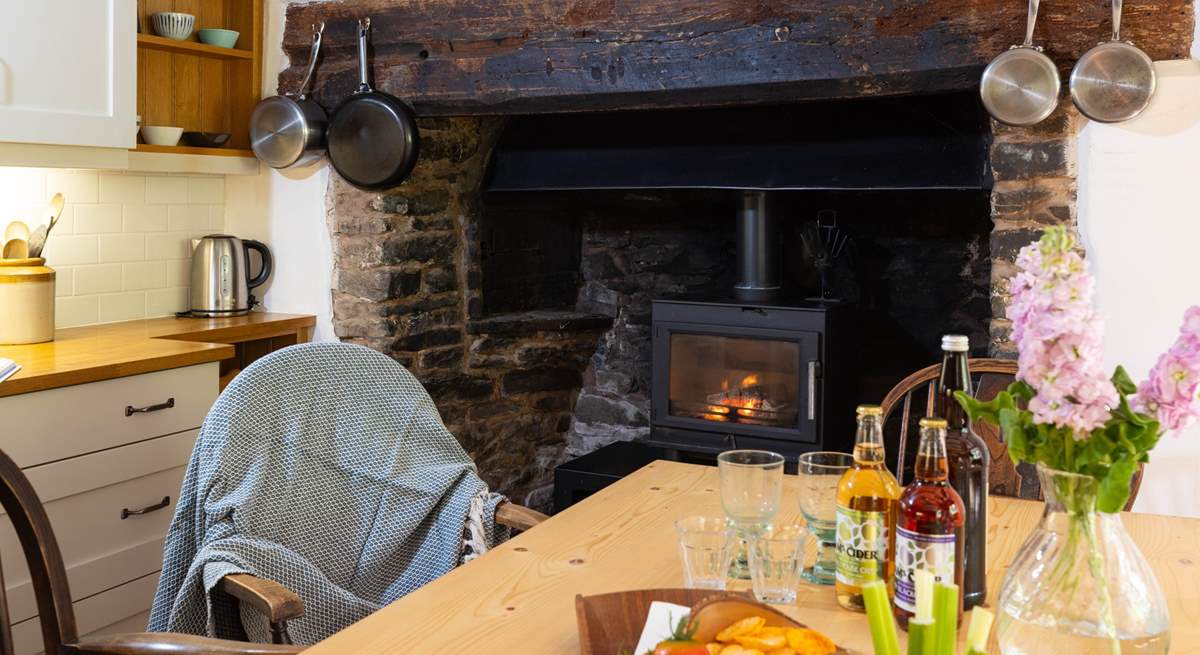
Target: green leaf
1021,390
1113,491
1013,429
1123,383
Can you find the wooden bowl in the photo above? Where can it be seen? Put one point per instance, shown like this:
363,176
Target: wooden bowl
609,623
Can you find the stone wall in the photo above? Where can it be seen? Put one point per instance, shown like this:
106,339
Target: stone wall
406,282
1034,169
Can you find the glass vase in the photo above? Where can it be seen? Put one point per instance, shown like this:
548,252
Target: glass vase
1079,584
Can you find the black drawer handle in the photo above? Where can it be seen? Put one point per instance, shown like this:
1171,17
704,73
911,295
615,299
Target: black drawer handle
130,410
126,513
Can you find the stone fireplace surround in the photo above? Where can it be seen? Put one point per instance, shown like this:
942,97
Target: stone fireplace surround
521,394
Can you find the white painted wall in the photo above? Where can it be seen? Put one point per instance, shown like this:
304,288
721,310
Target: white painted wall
1140,220
286,210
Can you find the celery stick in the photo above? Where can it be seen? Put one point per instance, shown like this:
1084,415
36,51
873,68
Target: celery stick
945,609
879,616
977,632
922,639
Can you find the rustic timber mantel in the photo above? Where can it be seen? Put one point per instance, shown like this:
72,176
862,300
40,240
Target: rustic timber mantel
463,57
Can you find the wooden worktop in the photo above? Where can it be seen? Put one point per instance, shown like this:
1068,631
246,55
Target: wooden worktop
102,352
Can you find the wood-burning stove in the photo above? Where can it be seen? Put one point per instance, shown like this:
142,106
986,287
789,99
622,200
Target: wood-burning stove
734,375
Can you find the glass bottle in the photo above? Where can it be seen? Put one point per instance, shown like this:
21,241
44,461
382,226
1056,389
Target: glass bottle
866,514
929,528
967,455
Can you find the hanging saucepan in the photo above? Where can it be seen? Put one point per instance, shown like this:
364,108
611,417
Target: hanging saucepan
373,137
286,131
1114,81
1020,87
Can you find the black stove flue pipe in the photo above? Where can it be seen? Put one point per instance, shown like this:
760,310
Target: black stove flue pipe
757,249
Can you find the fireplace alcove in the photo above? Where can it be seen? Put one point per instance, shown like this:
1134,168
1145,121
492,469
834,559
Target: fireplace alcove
593,217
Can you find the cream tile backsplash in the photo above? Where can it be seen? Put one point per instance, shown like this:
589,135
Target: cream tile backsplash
121,247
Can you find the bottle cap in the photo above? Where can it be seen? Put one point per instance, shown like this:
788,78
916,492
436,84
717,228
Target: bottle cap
869,410
933,423
956,343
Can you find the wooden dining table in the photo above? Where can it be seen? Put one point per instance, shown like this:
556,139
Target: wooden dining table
519,598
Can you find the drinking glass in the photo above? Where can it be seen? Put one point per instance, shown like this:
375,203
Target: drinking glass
751,485
819,474
705,547
776,559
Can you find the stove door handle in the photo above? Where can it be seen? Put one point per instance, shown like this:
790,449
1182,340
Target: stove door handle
812,390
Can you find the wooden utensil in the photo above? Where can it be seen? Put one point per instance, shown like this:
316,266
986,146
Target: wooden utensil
16,249
37,242
16,230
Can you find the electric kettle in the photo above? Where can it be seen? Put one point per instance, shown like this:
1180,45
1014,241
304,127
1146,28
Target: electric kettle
220,275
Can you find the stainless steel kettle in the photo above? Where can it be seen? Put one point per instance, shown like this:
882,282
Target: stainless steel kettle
220,279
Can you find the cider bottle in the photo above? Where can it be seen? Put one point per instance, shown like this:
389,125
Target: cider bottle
968,459
866,514
929,529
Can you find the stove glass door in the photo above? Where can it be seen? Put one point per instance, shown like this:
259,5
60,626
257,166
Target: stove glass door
748,381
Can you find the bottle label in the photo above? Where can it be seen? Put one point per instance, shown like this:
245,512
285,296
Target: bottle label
932,552
862,541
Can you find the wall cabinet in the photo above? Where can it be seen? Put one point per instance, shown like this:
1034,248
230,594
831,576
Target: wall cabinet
68,73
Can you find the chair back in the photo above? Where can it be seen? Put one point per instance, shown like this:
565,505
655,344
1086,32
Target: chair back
994,376
44,559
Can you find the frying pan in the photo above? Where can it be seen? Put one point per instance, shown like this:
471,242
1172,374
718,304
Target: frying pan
286,131
1114,81
1020,87
373,139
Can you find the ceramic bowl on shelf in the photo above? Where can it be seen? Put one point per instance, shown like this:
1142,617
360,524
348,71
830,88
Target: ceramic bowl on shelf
218,37
160,135
173,24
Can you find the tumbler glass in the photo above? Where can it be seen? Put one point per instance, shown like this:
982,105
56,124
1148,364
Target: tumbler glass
705,547
776,559
819,474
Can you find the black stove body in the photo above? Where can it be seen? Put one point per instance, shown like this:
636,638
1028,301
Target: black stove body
766,376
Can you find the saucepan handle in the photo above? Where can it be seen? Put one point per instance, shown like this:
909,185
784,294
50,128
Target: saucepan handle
318,30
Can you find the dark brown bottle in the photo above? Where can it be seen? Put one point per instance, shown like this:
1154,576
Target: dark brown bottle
967,455
929,526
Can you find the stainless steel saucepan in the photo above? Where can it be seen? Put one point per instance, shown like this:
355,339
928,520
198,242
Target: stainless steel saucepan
1114,81
287,131
1020,87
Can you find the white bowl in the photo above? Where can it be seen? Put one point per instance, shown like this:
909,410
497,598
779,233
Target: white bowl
173,24
157,135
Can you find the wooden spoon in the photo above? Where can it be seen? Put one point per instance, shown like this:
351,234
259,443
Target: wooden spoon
16,230
38,241
16,249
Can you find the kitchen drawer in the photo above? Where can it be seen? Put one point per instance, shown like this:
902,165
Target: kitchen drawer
59,423
110,611
84,496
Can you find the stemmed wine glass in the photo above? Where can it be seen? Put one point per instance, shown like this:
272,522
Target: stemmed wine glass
819,474
751,486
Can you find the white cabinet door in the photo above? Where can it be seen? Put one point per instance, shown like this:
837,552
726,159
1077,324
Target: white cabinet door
68,72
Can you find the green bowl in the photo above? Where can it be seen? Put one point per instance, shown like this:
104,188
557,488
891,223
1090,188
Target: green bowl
218,37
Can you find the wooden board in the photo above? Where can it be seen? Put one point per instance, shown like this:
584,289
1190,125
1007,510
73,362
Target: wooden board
519,597
102,352
529,56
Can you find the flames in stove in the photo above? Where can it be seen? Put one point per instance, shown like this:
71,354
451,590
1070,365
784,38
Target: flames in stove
746,401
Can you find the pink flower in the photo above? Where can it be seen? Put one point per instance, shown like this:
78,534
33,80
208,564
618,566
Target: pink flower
1059,335
1172,391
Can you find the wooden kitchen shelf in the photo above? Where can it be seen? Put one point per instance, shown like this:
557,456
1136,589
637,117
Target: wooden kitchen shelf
199,87
192,47
190,150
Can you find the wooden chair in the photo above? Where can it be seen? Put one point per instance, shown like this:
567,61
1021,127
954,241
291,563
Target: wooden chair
1004,479
280,604
59,632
